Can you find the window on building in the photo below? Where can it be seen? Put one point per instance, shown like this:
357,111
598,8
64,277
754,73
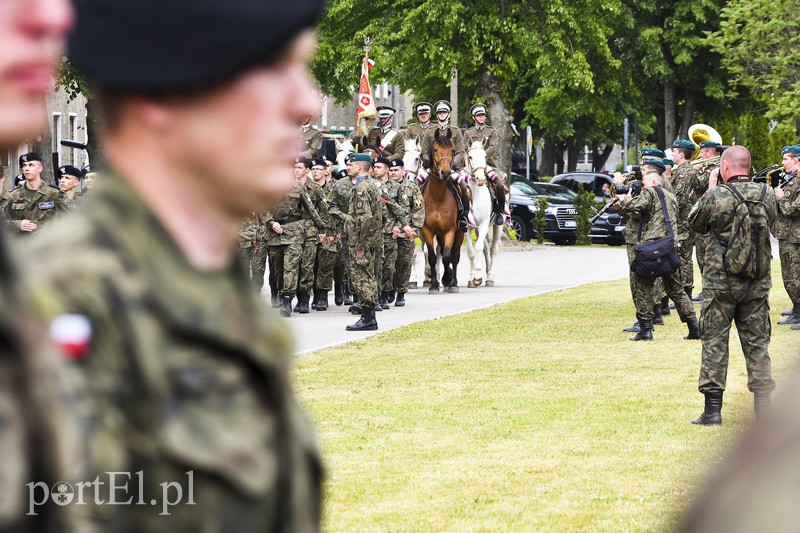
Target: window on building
56,136
73,134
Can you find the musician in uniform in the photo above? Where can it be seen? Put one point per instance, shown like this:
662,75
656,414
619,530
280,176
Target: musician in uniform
385,137
407,195
310,139
687,187
487,136
417,130
787,230
708,150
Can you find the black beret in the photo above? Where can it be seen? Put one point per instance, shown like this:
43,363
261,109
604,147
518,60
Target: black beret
319,162
384,161
69,171
339,174
152,45
87,169
19,178
30,157
397,163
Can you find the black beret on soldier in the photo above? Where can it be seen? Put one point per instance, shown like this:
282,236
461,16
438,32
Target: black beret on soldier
29,158
384,161
69,170
397,163
152,45
319,162
304,161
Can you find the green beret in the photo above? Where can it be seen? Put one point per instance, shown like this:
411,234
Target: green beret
361,157
669,162
791,149
684,144
653,152
654,163
709,144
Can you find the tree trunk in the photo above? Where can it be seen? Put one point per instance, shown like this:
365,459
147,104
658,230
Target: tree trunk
599,158
548,161
670,115
688,113
574,149
489,90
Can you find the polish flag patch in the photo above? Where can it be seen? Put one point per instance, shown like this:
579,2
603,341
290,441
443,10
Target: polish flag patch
72,334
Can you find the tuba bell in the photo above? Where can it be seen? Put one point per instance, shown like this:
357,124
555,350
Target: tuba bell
702,132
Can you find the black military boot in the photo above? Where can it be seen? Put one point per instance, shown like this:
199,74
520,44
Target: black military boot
712,413
367,321
400,301
793,318
384,301
694,328
347,296
302,303
645,331
665,306
322,300
657,320
286,305
390,296
760,404
377,307
299,300
338,293
463,215
315,301
633,329
275,300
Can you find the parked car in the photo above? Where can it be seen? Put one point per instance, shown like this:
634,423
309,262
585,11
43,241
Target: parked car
608,228
560,212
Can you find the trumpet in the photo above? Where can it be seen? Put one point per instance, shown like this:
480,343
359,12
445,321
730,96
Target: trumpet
774,175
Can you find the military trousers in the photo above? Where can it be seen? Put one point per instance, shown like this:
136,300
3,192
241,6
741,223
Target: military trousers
378,260
700,243
389,263
405,262
362,274
750,313
326,262
285,262
657,292
687,265
341,271
790,268
647,292
307,259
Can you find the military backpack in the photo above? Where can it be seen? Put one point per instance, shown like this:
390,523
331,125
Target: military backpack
748,253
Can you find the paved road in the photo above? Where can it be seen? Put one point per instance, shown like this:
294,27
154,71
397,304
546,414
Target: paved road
517,274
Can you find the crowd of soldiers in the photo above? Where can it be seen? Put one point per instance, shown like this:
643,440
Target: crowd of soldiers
716,210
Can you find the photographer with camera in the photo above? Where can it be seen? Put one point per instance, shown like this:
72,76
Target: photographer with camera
650,214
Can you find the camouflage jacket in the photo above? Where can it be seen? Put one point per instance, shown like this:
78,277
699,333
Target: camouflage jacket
396,146
187,370
289,214
787,226
487,136
409,194
38,206
365,217
417,130
686,185
714,214
647,209
311,140
314,229
394,212
254,230
339,203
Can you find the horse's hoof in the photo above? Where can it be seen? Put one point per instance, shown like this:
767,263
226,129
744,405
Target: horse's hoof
412,284
452,289
433,290
471,284
489,283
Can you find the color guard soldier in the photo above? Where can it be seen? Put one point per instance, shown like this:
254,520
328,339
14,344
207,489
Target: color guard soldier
389,141
187,367
34,202
408,195
417,130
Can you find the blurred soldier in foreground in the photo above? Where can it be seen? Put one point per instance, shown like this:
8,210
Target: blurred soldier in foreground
736,280
188,368
38,442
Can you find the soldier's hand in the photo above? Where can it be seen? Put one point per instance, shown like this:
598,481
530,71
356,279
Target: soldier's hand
27,225
395,232
332,238
779,193
713,178
277,228
322,238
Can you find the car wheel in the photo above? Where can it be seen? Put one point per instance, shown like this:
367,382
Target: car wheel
518,225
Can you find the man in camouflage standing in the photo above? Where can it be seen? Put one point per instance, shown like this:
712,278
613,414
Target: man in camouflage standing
316,229
731,296
687,187
33,203
708,149
787,231
408,196
363,228
395,216
328,249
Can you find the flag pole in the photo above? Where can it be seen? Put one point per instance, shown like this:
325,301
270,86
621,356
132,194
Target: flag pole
361,123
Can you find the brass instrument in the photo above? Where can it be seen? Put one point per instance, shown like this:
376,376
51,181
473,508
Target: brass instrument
699,133
774,175
715,159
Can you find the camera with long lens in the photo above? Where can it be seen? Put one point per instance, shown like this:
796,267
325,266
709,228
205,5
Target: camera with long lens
633,187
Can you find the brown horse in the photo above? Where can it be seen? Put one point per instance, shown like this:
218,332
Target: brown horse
441,212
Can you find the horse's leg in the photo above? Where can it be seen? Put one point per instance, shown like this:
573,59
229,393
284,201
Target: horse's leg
471,253
480,249
431,249
497,234
449,273
455,256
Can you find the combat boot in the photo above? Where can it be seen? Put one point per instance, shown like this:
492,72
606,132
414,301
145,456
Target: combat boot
367,321
315,301
657,320
712,414
286,305
760,404
322,300
645,331
390,296
793,318
665,307
400,301
384,301
377,307
694,328
274,300
633,329
302,303
338,293
347,297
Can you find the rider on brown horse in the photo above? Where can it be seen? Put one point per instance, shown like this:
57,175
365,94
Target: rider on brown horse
487,136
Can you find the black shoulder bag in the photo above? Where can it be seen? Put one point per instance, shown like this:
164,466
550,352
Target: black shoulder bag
657,257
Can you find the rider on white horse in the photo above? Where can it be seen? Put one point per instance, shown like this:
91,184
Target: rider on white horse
488,137
443,109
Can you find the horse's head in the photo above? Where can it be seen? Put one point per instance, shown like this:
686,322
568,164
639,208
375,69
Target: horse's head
476,163
344,149
442,154
412,155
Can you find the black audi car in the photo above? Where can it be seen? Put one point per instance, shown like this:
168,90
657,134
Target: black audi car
560,212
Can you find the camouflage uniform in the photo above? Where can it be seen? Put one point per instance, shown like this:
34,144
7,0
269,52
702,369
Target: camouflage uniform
408,193
312,232
311,139
685,182
328,252
701,240
39,206
187,371
787,231
396,215
286,249
363,229
646,207
390,141
728,297
338,207
253,247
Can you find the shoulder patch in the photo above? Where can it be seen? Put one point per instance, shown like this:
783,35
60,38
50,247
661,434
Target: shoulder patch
46,205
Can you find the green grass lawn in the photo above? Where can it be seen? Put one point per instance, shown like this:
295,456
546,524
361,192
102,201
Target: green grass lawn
536,415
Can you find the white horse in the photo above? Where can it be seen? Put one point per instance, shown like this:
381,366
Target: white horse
413,166
343,149
481,210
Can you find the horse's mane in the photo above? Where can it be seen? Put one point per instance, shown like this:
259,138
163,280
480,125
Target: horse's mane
444,141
